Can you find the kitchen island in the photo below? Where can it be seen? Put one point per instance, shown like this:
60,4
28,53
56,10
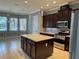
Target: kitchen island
37,46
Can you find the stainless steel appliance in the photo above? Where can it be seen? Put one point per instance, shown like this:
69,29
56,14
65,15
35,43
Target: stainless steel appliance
59,42
62,24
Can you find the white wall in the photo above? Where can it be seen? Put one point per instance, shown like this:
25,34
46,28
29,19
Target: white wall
51,11
30,22
73,5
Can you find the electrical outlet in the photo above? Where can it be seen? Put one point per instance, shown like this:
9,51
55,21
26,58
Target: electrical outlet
46,44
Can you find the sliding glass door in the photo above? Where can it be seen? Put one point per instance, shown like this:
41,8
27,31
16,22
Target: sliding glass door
3,23
12,26
23,25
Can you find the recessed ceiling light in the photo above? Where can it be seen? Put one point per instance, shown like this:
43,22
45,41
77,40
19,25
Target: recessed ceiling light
47,5
41,7
26,2
54,2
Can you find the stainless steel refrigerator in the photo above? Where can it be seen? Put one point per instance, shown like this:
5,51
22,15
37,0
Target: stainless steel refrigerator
74,36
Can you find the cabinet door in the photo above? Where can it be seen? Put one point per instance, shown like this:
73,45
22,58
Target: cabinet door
67,43
50,21
54,18
66,14
45,21
22,43
25,45
28,48
60,13
33,51
44,49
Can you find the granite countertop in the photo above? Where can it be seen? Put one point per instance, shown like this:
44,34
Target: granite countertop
48,33
68,36
37,37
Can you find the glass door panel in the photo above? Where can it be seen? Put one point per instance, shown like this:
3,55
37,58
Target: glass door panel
23,24
3,27
3,23
13,24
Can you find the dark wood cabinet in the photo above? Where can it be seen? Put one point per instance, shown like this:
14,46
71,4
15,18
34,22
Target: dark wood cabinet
33,51
23,44
28,49
54,23
49,21
45,22
67,43
64,14
37,50
60,18
67,14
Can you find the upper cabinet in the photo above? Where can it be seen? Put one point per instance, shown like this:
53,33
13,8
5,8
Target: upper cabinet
64,14
46,21
49,21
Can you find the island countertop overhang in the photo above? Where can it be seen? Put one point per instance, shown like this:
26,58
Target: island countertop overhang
37,37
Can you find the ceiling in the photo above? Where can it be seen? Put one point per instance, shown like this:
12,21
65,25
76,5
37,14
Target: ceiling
19,6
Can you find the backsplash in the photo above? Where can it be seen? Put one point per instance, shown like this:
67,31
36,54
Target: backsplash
52,30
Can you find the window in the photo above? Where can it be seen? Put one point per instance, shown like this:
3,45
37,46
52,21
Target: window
3,23
13,24
23,24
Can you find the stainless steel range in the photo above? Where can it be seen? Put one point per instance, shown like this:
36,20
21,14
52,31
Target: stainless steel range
59,43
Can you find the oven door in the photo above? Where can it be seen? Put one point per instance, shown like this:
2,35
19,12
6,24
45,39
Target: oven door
59,46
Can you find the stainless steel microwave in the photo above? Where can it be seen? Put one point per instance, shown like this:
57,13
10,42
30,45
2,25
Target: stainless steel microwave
62,24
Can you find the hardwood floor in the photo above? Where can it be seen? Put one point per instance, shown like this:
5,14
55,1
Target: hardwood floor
10,49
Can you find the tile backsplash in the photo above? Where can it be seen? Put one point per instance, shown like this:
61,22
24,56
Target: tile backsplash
52,30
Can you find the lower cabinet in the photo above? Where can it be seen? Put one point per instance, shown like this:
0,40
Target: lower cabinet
67,43
37,50
33,52
22,43
44,49
28,49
